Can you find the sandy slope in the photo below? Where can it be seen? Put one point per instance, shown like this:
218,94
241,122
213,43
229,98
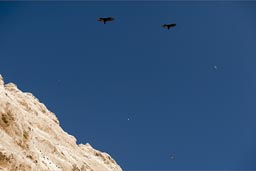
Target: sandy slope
32,139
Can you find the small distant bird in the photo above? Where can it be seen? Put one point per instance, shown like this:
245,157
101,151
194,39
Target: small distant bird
173,156
104,20
168,26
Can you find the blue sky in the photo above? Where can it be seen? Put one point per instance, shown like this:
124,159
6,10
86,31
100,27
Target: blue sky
95,76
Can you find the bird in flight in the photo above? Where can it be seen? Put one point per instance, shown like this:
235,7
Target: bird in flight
173,156
168,26
104,20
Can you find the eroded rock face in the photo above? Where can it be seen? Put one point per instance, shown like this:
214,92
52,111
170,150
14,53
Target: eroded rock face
31,138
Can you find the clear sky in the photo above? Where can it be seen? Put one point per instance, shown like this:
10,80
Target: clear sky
136,90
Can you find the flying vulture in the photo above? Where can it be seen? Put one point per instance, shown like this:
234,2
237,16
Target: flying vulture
104,20
168,26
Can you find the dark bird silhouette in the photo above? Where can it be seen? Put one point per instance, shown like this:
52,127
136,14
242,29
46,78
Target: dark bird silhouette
168,26
104,20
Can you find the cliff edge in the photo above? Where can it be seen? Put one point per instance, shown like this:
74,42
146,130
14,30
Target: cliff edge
31,138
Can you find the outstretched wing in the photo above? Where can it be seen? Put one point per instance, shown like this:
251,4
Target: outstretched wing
172,25
164,26
101,19
109,19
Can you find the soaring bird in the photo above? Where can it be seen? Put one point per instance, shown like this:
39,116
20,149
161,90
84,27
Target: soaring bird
104,20
168,26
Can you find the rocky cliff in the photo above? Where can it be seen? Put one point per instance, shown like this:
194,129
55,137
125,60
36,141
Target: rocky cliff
31,138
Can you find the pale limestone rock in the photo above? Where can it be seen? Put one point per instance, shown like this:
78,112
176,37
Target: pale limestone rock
1,80
31,138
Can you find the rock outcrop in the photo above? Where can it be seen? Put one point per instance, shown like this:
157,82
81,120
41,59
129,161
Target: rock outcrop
31,138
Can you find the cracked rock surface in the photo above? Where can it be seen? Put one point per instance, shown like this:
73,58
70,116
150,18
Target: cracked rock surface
31,138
